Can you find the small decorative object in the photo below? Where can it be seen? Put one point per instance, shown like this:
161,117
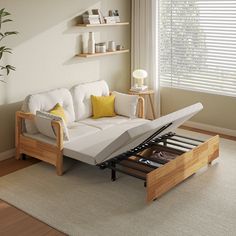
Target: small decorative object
101,17
110,20
111,46
89,18
91,43
100,47
85,43
4,49
139,76
115,15
119,47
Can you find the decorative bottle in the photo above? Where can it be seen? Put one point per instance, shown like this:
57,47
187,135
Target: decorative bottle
85,43
91,43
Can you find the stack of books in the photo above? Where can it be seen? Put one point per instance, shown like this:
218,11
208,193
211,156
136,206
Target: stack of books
139,89
91,19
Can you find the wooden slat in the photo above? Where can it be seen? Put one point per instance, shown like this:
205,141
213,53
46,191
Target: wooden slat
135,165
166,177
133,172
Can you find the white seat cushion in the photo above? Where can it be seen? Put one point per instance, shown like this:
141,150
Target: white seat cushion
45,101
105,122
92,149
77,130
82,97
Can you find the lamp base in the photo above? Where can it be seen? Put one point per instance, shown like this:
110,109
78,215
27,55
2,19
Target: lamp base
139,89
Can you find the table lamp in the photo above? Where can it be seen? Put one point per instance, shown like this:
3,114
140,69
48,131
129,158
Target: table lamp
139,76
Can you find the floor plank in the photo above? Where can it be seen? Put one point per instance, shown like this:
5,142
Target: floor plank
14,221
225,136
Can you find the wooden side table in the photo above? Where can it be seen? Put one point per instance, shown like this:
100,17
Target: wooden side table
149,94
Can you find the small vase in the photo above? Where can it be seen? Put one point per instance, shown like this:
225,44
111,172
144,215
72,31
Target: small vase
91,43
85,43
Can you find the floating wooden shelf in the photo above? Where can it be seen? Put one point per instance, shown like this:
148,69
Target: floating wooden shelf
102,25
86,55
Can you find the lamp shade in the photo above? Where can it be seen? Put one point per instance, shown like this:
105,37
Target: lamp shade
140,74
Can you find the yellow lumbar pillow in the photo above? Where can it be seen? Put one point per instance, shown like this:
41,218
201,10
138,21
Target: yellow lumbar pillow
103,106
58,110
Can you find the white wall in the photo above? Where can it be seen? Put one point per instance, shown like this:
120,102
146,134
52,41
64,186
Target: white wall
45,49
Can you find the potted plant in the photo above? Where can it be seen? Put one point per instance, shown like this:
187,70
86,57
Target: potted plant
4,18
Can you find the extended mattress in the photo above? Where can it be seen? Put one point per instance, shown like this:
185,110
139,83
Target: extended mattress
107,144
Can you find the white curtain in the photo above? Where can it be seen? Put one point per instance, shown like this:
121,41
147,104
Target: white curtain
145,43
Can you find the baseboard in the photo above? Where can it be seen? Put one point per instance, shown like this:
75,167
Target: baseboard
210,128
7,154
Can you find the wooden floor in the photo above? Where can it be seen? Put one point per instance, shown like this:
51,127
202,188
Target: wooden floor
14,222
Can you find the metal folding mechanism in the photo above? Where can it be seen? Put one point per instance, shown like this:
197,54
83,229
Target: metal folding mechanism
135,164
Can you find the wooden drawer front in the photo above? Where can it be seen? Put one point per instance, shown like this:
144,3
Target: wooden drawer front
172,173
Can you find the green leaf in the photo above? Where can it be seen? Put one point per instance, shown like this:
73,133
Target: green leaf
10,33
1,11
10,67
5,13
7,20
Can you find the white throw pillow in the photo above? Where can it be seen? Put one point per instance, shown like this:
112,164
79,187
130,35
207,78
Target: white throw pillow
125,105
43,121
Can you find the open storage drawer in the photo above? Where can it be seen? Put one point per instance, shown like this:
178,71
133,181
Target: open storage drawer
165,161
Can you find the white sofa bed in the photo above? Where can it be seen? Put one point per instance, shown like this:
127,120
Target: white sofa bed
125,140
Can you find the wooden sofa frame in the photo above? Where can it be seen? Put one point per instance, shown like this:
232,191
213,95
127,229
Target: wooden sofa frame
43,151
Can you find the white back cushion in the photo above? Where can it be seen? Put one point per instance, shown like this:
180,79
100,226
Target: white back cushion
81,96
46,101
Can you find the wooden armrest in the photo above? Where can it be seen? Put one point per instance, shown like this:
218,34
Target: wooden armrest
29,116
59,133
25,115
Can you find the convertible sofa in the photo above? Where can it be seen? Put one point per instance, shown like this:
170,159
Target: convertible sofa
47,141
127,143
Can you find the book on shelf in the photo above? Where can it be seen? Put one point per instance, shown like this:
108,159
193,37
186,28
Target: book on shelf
139,89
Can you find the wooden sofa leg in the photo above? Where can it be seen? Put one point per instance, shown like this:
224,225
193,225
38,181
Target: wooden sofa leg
18,154
59,164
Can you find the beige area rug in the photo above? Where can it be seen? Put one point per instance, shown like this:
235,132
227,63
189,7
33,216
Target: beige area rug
85,202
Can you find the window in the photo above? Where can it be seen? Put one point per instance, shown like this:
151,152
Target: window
198,45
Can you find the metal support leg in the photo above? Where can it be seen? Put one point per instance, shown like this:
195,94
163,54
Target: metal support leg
113,172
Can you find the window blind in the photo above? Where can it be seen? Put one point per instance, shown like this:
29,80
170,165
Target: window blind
198,45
